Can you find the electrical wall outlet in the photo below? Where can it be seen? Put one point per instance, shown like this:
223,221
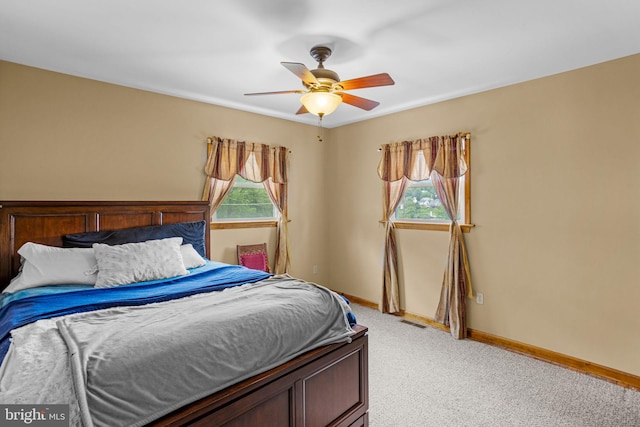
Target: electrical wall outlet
479,298
315,269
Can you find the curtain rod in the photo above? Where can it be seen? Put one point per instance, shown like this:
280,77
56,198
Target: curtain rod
210,140
464,135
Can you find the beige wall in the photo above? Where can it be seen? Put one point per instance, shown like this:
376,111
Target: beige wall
555,178
67,138
555,184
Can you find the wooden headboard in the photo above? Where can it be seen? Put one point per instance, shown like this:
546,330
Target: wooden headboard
46,222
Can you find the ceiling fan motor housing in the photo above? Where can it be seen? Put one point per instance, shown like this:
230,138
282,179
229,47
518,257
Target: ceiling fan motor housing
325,77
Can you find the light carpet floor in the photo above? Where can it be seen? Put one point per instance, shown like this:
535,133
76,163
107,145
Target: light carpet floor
424,377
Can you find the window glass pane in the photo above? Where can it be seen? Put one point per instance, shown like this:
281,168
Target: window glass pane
421,203
246,200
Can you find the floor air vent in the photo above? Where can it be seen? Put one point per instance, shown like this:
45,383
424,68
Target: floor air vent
417,325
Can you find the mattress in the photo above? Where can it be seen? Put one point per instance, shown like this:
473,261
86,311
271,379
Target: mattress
131,354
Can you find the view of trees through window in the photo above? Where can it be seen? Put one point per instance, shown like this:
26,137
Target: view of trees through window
421,203
246,200
249,201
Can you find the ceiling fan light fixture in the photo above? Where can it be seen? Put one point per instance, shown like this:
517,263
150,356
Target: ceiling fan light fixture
321,103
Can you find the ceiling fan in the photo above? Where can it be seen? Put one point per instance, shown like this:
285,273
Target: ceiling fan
323,89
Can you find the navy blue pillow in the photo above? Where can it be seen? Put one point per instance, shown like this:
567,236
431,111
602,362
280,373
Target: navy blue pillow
191,232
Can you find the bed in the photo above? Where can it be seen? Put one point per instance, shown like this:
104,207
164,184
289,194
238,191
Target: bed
323,381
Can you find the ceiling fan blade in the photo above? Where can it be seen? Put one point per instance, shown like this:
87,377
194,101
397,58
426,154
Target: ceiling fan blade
302,110
277,92
301,71
382,79
356,101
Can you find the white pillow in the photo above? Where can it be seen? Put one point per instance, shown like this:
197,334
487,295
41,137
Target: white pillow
191,257
48,265
138,262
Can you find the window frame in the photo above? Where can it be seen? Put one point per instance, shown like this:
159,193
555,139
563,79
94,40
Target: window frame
466,225
228,225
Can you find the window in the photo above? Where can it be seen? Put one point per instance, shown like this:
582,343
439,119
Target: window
421,208
247,201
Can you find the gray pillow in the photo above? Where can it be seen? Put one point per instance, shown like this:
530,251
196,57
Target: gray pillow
190,257
48,265
138,262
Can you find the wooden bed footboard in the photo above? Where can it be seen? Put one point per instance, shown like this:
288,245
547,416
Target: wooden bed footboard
328,386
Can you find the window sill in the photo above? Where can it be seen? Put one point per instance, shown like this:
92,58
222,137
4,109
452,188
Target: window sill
405,225
227,225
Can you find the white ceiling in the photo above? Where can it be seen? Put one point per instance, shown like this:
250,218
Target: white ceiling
216,50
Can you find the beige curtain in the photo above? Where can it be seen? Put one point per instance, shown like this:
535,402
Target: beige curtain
392,195
456,283
417,160
257,163
278,194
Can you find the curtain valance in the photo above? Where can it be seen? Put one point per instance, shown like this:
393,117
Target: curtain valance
416,159
252,161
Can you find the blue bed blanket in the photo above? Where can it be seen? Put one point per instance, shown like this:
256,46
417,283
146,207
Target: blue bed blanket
30,305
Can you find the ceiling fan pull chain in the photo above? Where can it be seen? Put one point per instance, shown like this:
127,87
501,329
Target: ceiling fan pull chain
320,129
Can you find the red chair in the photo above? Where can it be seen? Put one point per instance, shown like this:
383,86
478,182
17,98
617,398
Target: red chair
254,256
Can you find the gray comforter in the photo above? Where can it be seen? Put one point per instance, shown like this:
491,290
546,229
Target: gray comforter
132,365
